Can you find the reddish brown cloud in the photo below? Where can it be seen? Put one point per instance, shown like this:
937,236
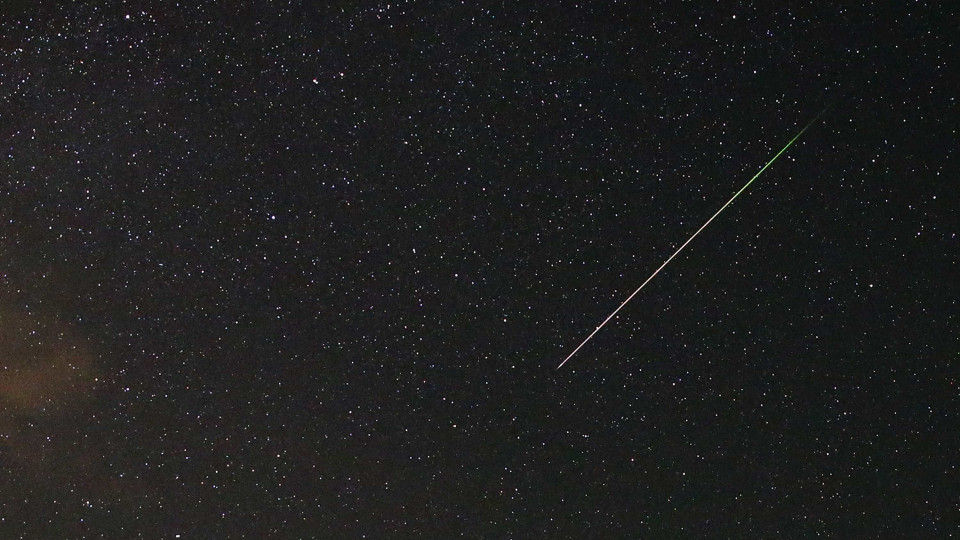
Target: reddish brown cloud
47,378
44,366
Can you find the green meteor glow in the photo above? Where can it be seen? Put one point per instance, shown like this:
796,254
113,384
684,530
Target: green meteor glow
702,227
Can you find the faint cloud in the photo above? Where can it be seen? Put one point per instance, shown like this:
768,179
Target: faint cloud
47,379
44,366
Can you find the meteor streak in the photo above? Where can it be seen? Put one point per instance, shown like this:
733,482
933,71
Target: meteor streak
702,227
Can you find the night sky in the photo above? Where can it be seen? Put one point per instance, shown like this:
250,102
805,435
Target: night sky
288,271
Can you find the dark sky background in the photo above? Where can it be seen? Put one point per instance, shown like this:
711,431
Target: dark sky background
287,271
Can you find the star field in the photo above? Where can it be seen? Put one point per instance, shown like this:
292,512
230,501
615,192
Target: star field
297,271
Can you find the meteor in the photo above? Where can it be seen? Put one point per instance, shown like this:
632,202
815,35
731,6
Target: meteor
694,235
